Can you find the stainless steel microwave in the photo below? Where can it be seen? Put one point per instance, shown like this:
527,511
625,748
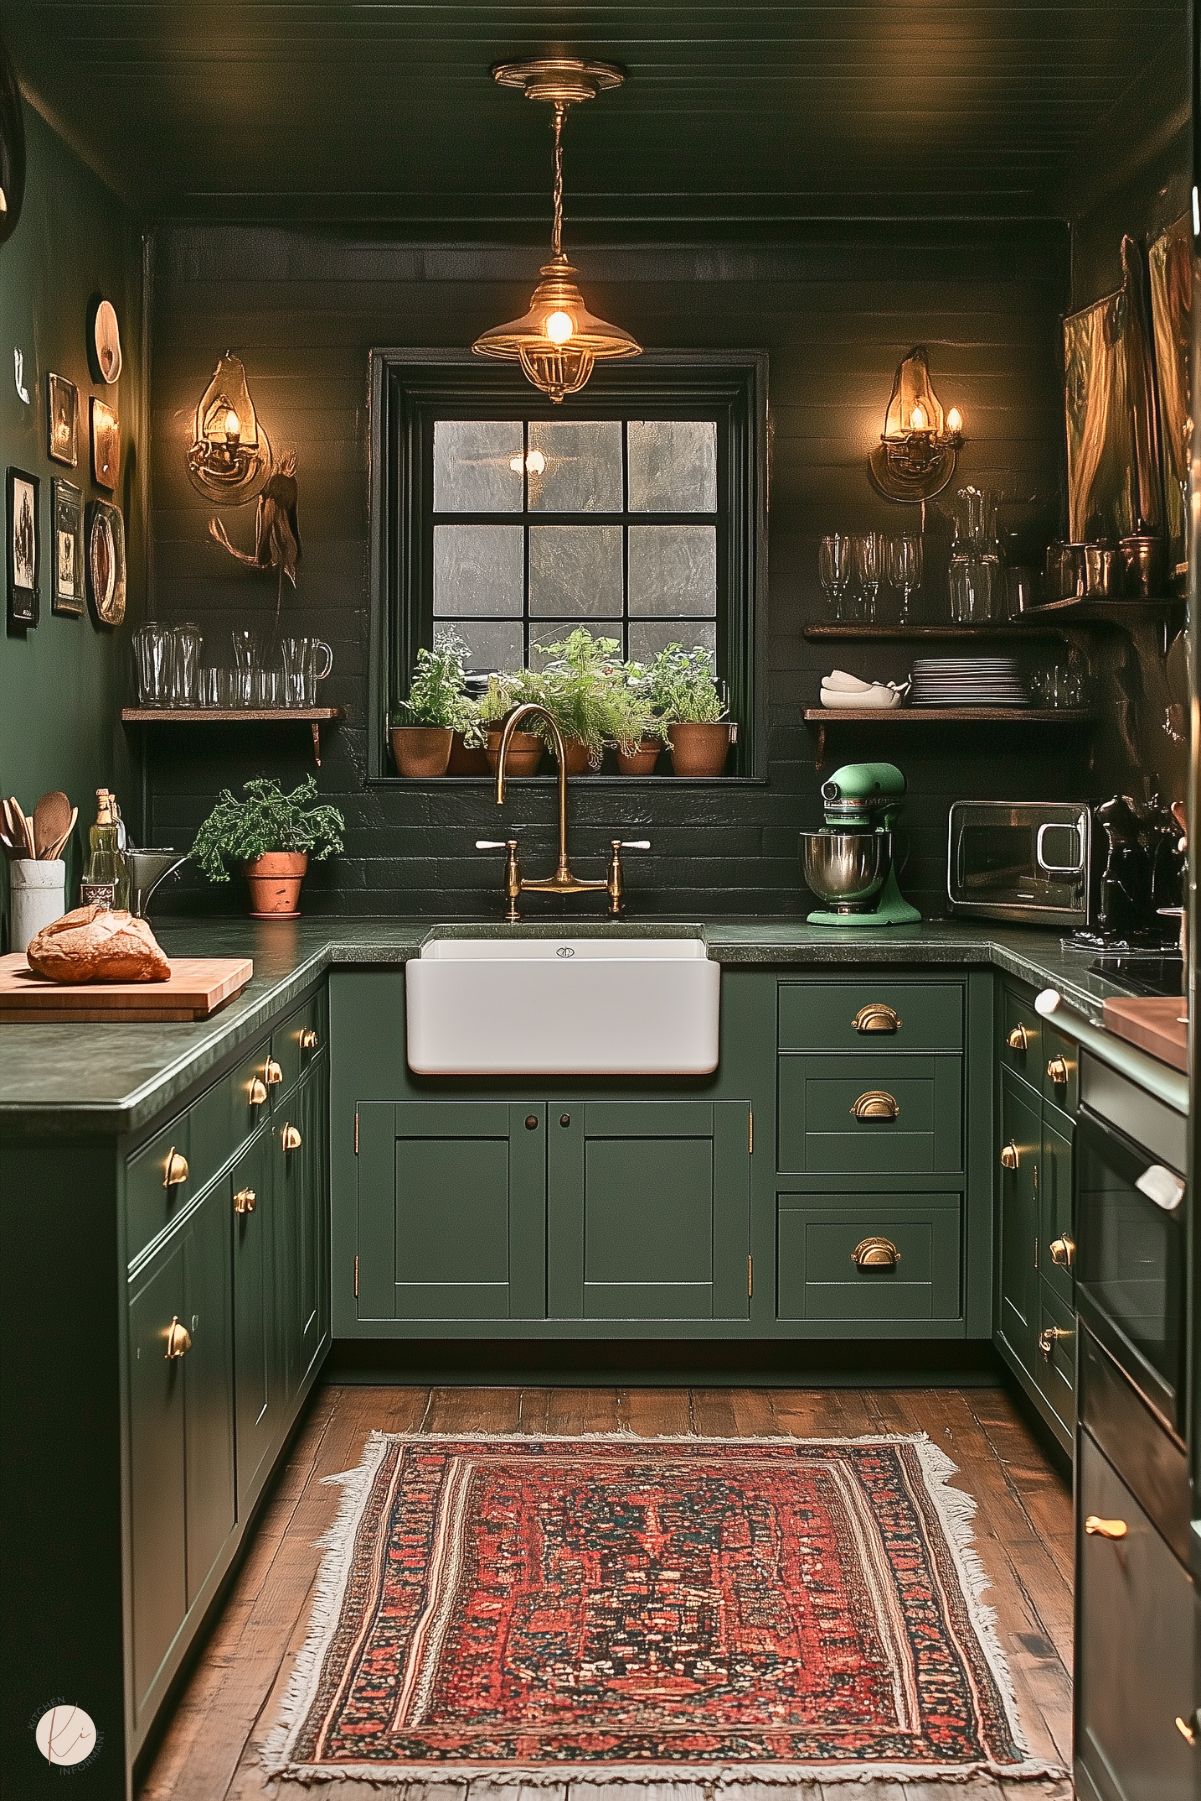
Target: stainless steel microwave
1022,860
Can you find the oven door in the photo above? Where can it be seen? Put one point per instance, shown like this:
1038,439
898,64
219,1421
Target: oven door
1130,1250
1021,860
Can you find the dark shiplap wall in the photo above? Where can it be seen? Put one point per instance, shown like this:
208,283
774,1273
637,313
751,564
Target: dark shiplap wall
835,309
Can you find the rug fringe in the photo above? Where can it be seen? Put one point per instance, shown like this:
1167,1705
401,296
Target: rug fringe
672,1782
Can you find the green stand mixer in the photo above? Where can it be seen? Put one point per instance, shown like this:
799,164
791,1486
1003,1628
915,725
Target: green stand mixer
849,863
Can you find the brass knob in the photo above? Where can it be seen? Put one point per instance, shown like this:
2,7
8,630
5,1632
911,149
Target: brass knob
1018,1039
1057,1070
876,1103
1011,1157
1099,1528
176,1169
244,1200
292,1140
1187,1729
1049,1337
257,1091
308,1039
875,1253
1063,1252
877,1016
273,1073
179,1340
531,1122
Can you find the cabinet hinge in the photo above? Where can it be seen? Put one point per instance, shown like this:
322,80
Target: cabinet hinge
356,1136
750,1132
356,1277
750,1277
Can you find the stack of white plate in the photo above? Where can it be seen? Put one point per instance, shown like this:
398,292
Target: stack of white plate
968,682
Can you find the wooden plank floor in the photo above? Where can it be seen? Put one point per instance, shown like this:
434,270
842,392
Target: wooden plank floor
210,1751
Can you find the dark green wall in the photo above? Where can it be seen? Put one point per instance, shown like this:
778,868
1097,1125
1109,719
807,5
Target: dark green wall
62,684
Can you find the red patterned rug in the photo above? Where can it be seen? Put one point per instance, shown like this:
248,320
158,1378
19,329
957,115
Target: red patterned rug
674,1610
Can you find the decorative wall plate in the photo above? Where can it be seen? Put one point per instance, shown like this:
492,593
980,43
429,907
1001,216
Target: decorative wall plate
23,548
104,341
106,445
106,562
67,577
12,149
62,420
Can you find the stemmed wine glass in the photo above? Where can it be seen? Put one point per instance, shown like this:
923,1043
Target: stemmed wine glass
905,568
834,570
868,571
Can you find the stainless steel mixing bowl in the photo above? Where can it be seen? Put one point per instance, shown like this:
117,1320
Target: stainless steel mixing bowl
846,870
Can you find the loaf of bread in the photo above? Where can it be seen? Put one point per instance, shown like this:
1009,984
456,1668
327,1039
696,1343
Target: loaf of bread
98,944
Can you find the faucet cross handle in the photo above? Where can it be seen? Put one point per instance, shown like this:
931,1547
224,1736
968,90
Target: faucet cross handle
512,871
614,881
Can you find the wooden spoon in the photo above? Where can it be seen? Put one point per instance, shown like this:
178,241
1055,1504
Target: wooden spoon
60,844
50,817
24,827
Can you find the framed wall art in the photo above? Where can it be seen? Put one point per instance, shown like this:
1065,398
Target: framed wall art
106,445
67,579
62,407
23,547
106,562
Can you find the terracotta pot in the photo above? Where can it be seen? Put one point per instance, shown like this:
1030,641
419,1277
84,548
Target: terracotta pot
275,880
577,757
699,749
464,761
525,753
421,749
643,760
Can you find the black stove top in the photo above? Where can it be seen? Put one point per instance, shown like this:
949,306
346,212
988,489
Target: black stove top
1142,974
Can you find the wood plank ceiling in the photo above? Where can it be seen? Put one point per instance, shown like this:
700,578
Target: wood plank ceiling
734,113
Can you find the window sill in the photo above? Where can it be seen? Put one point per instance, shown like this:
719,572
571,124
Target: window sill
636,782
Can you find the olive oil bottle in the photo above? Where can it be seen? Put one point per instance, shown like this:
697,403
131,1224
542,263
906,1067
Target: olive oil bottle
106,874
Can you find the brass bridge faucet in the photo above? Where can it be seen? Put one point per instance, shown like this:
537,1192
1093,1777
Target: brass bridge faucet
562,881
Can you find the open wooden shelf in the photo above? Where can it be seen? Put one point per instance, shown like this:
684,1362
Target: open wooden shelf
1106,612
313,717
824,717
884,633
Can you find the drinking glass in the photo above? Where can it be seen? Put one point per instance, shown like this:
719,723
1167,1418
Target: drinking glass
868,561
905,568
266,688
208,686
186,646
153,656
834,571
306,662
245,648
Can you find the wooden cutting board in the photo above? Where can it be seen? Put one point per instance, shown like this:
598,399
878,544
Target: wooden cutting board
196,987
1154,1024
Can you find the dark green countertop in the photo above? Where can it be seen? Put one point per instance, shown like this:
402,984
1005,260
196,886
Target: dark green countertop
116,1078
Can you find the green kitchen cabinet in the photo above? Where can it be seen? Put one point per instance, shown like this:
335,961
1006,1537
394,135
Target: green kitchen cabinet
300,1149
648,1210
1056,1244
1018,1221
451,1211
258,1391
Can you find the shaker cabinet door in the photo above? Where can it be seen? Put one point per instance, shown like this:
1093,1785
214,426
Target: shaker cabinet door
258,1383
1018,1221
208,1384
301,1229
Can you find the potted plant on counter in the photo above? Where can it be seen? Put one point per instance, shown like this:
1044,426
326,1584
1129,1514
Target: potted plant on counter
682,688
424,726
271,835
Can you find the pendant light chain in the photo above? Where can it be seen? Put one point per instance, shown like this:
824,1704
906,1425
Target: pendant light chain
556,236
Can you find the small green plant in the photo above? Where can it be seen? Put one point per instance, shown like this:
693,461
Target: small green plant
438,692
266,819
507,689
630,716
682,688
581,678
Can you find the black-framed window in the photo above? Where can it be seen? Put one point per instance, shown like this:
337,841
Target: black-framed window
636,511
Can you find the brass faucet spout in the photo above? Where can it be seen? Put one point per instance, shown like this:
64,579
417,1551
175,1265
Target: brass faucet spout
511,724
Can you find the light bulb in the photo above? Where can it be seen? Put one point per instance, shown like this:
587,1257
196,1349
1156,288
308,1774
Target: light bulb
233,427
558,326
954,420
917,418
535,463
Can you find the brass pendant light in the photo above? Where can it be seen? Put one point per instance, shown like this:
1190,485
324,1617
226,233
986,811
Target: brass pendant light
557,341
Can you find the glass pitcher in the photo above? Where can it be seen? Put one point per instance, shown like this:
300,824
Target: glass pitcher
153,660
306,662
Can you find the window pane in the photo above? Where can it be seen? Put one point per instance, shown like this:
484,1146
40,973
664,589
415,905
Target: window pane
477,569
673,569
648,638
472,472
673,465
491,644
583,466
575,571
553,631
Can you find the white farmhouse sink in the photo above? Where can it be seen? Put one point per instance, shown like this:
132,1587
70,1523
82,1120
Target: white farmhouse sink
562,1006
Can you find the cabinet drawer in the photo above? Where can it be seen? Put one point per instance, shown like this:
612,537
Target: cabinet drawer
819,1276
819,1130
298,1041
1059,1066
1021,1035
1141,1449
837,1016
228,1113
151,1200
1054,1355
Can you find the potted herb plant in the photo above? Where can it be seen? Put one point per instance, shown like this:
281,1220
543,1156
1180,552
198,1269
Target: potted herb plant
682,688
636,731
438,706
581,678
271,835
506,690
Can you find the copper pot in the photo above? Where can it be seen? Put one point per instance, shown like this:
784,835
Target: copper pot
421,750
641,761
700,749
524,754
465,760
275,880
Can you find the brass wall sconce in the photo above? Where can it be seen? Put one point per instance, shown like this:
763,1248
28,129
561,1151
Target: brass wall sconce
229,459
557,341
919,446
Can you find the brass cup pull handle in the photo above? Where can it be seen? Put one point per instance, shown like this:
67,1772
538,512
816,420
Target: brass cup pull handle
245,1200
1057,1072
292,1140
1018,1039
877,1103
309,1039
179,1340
272,1073
875,1253
1049,1337
1011,1157
257,1092
1096,1527
1187,1729
1063,1252
176,1169
877,1016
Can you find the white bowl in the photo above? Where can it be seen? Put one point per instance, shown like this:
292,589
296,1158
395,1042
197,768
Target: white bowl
877,698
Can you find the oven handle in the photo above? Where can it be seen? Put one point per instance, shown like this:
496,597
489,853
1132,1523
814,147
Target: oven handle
1059,825
1161,1185
1169,1084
